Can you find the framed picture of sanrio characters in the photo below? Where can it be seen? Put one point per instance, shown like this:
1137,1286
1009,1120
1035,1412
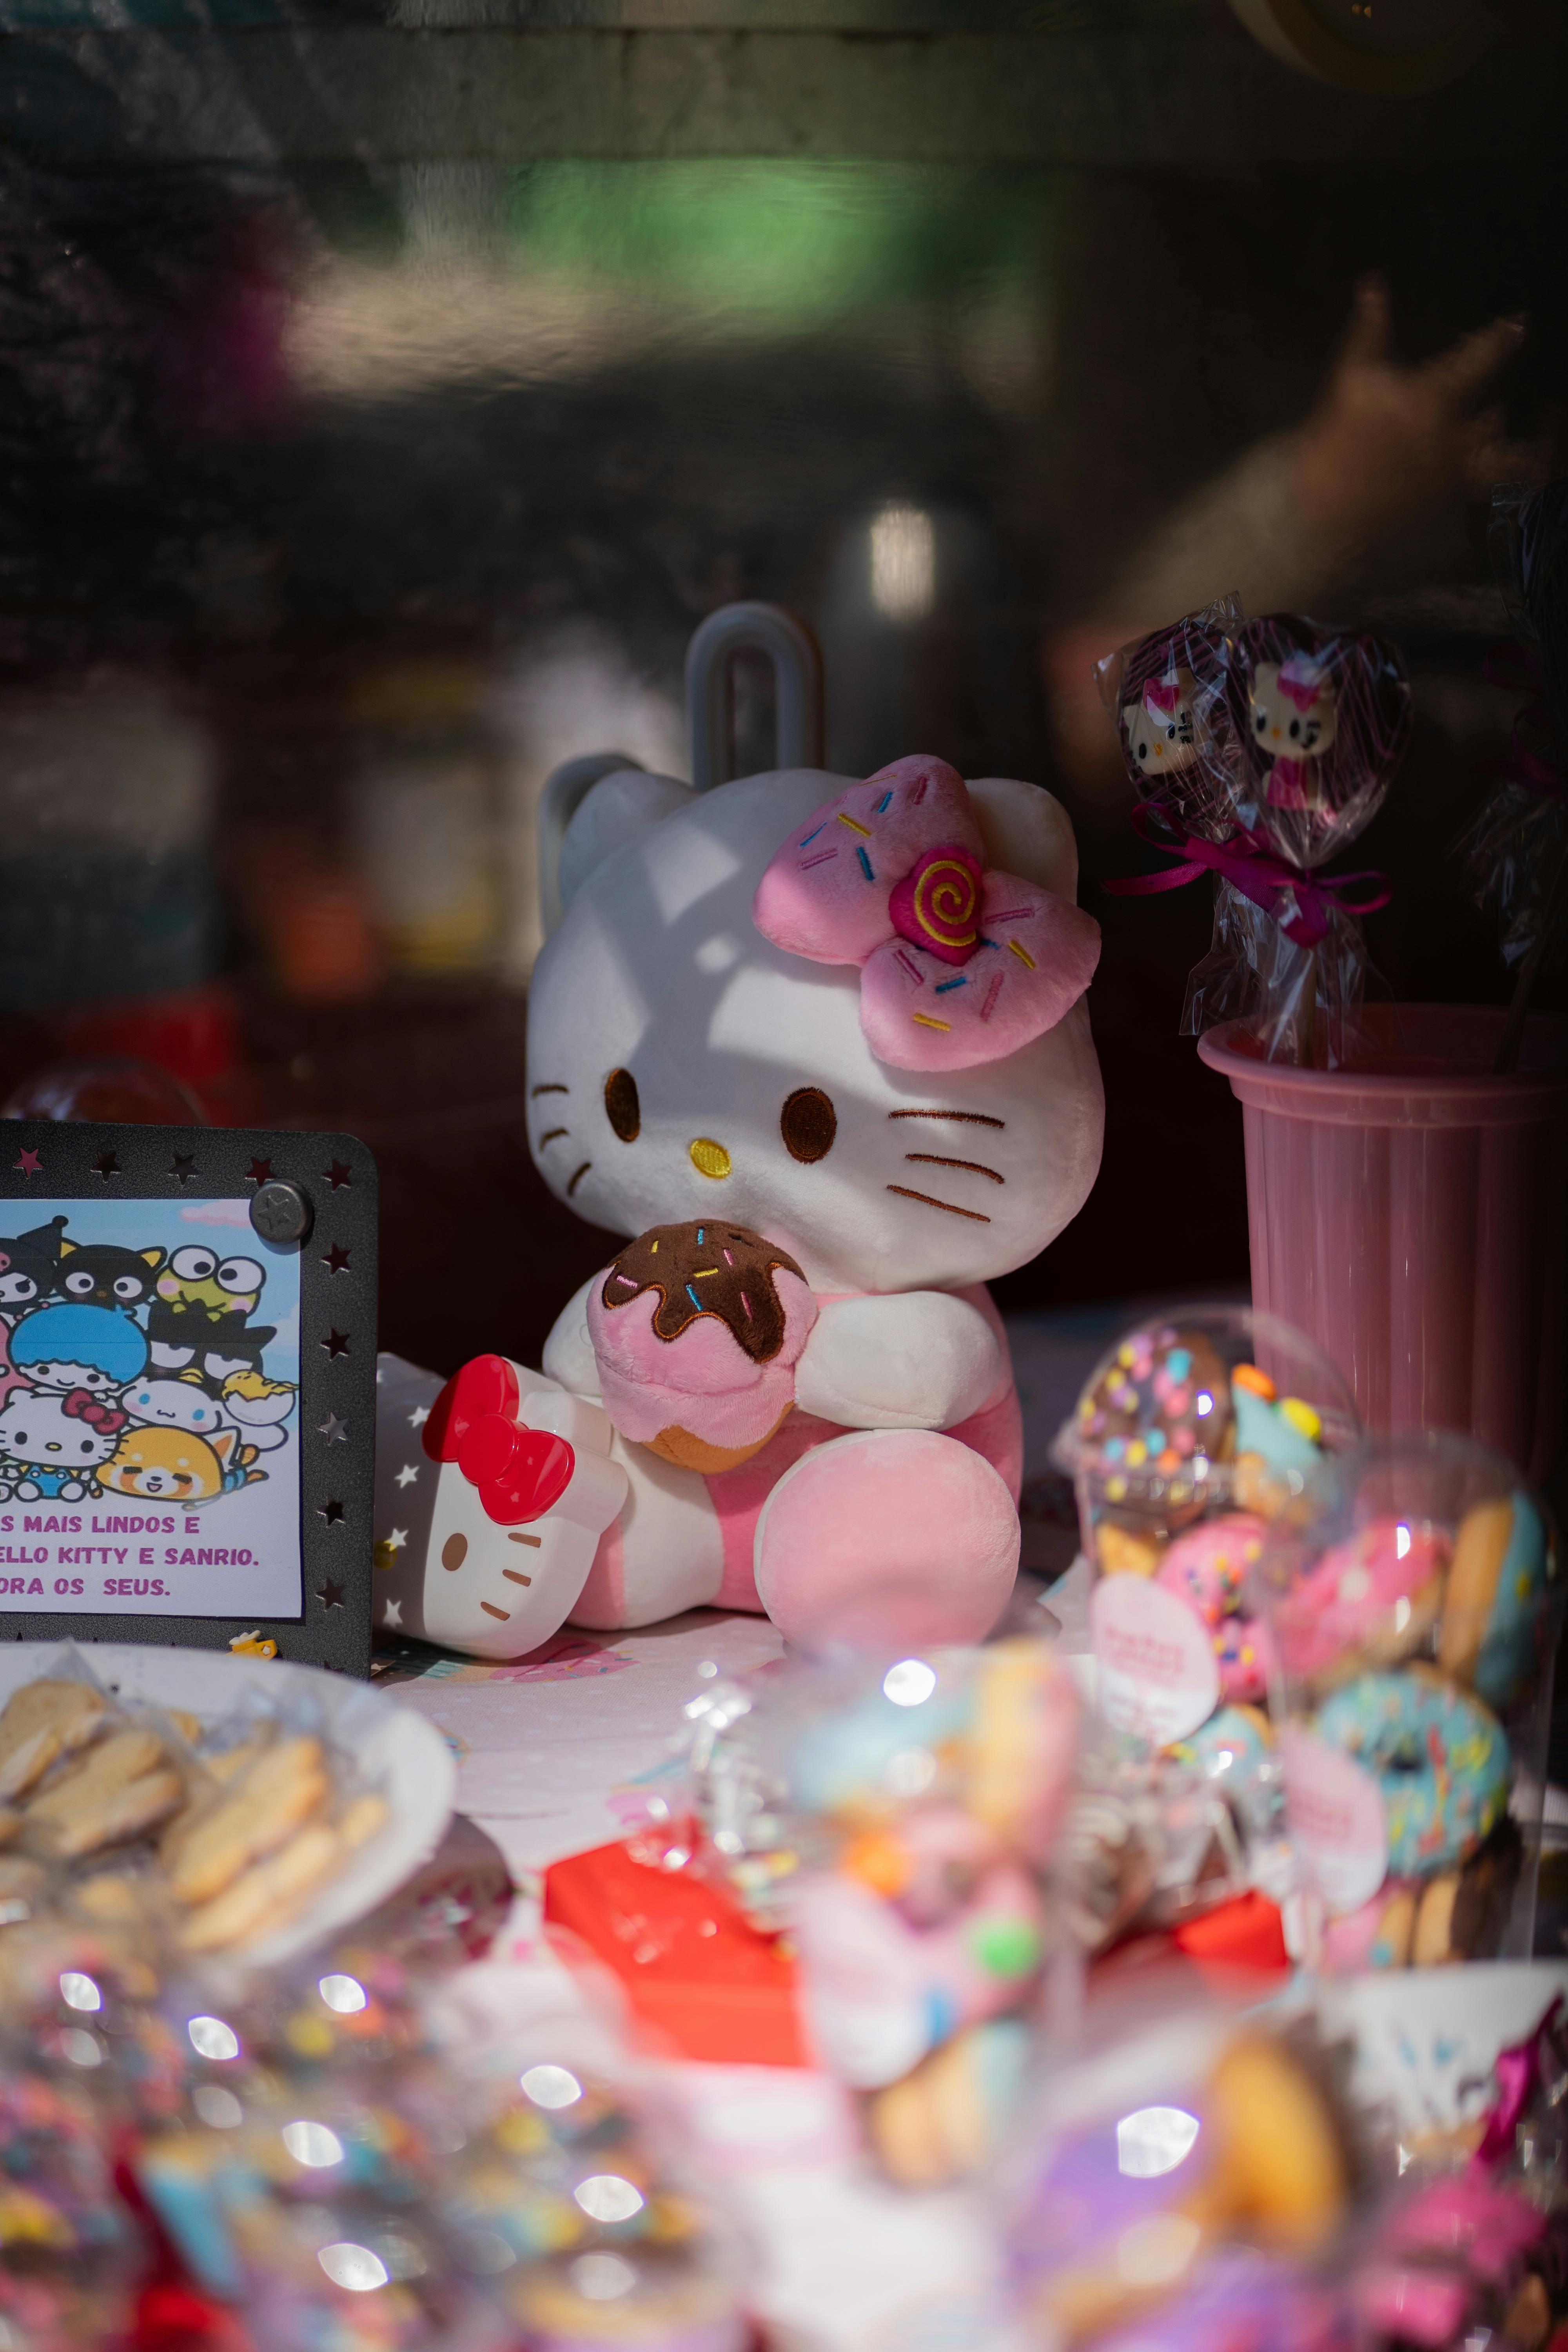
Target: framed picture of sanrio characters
188,1388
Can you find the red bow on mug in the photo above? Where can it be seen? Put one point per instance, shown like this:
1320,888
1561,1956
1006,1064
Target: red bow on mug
520,1473
82,1405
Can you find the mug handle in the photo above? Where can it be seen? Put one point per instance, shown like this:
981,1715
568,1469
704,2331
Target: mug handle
709,698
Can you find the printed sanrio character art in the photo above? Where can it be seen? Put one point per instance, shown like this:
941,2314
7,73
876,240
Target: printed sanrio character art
54,1447
1161,735
75,1346
200,1278
847,1019
175,1464
27,1267
1293,717
101,1273
492,1491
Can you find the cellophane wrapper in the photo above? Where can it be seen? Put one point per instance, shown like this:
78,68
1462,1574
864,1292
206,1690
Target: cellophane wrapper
1514,853
1414,1599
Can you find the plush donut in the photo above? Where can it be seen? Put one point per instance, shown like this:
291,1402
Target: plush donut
1439,1759
1368,1601
1497,1595
1205,1569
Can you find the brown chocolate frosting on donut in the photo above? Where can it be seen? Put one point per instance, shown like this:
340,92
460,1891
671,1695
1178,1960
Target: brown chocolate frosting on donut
705,1268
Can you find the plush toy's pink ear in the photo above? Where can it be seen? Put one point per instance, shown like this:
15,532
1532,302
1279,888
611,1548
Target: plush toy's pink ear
1036,955
826,894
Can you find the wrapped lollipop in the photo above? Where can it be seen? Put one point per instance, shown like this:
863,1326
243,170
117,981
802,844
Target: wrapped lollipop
1515,851
1296,734
1173,720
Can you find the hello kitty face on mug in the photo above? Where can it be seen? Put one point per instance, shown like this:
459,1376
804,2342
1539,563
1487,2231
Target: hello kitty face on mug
1161,733
682,1066
1291,711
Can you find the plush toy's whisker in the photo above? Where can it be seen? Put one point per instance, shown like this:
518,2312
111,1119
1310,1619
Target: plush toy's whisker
965,1118
553,1087
952,1210
975,1166
551,1136
578,1176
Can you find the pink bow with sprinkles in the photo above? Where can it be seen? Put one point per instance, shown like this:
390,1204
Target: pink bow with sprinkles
960,964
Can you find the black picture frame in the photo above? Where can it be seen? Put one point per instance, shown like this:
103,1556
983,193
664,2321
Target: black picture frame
329,1182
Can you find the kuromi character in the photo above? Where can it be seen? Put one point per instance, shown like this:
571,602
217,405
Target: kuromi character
27,1267
55,1447
1293,720
491,1494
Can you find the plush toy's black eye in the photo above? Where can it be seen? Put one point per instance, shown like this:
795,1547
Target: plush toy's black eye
808,1124
622,1107
1295,731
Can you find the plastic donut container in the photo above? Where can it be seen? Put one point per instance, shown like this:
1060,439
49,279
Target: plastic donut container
1413,1598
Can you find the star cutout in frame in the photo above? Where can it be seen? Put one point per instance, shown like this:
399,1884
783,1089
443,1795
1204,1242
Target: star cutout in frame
337,1259
332,1513
336,1343
106,1165
182,1167
338,1174
29,1164
334,1431
260,1173
330,1595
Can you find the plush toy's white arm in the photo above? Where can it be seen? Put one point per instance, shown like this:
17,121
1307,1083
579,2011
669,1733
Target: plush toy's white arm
569,1351
917,1359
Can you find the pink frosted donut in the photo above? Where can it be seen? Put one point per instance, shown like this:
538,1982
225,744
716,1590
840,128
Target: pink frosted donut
697,1331
1205,1569
1368,1601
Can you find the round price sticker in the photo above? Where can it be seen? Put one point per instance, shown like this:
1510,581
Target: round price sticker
1159,1678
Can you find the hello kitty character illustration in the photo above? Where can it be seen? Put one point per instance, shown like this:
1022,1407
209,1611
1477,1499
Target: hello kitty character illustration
1293,717
819,1048
52,1447
1160,728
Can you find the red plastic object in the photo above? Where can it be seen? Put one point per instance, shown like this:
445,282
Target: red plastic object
691,1963
1246,1932
194,1032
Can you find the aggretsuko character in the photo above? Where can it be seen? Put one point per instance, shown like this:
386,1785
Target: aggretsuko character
171,1464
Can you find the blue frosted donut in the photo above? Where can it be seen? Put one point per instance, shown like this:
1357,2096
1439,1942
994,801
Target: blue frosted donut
1496,1601
1439,1759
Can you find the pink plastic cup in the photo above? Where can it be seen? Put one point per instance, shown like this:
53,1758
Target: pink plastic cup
1409,1214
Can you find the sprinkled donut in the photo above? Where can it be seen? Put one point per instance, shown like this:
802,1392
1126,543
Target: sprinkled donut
1161,1408
1205,1569
1368,1602
1439,1759
1497,1597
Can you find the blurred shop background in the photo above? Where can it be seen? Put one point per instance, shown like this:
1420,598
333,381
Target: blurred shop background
386,391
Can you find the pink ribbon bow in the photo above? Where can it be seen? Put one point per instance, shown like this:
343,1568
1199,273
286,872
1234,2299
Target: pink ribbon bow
82,1405
1300,902
960,964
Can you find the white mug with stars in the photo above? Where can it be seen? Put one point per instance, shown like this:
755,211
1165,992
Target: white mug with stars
491,1493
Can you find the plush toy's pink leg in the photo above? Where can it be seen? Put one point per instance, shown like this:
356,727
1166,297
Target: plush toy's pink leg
889,1539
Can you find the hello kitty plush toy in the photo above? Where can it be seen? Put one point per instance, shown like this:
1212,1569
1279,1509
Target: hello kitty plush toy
820,1047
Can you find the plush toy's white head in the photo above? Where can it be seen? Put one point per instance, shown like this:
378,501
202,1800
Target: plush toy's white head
679,1064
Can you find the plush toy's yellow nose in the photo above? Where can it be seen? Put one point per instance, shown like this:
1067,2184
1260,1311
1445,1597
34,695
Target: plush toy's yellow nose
709,1159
